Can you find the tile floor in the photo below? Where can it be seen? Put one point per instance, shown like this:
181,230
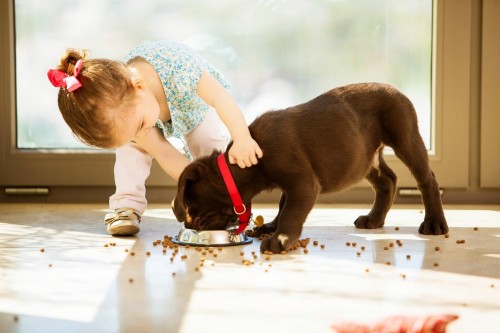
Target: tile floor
78,285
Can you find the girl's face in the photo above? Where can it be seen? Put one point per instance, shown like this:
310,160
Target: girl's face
138,117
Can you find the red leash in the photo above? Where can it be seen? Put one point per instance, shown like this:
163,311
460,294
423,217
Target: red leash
244,213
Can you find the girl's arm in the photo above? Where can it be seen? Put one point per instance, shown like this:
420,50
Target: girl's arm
244,151
170,159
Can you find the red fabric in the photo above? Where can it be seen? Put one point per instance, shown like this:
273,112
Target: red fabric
400,324
60,79
244,213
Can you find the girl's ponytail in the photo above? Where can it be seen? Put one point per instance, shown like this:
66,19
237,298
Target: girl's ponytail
69,58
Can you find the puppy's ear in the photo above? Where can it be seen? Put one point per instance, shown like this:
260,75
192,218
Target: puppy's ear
191,174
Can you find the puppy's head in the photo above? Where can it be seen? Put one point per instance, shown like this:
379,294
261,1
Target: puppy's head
202,201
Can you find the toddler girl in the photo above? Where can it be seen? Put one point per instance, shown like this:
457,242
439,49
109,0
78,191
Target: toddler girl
163,89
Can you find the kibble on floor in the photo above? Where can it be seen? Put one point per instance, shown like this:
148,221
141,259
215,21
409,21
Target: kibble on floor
334,272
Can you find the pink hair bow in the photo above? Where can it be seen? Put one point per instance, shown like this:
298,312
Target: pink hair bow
60,79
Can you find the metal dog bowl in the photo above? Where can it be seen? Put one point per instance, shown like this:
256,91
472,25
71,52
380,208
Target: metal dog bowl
210,238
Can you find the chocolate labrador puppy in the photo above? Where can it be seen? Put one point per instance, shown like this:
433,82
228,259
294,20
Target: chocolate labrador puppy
324,145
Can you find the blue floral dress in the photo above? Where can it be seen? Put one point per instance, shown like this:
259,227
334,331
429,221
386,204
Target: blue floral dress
179,69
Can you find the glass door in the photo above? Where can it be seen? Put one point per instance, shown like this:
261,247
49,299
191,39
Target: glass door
272,59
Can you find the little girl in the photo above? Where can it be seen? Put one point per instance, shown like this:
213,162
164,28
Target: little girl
163,89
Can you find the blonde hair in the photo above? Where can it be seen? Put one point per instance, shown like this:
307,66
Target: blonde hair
105,84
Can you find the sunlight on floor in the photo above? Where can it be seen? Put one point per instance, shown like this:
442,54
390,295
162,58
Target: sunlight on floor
68,262
319,290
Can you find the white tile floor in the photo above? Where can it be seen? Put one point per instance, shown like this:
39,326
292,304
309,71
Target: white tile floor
79,285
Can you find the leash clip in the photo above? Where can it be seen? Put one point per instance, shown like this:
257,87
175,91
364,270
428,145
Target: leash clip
243,212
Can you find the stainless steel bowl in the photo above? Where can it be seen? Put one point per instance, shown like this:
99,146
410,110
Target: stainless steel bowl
210,238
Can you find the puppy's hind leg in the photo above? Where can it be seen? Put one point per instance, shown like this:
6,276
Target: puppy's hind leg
383,180
414,155
401,133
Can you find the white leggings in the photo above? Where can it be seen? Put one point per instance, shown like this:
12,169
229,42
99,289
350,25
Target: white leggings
133,164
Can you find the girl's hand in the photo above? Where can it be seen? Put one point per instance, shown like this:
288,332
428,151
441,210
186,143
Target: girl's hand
245,152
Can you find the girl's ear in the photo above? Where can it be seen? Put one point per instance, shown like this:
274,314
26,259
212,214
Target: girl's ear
138,83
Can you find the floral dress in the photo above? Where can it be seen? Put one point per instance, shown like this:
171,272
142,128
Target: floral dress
179,69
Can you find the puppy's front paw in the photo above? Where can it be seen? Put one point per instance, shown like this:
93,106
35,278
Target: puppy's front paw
433,227
368,222
266,229
278,243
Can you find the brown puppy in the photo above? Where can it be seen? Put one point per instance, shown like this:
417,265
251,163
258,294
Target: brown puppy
324,145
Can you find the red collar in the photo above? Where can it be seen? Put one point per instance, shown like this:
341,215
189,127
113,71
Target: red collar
244,213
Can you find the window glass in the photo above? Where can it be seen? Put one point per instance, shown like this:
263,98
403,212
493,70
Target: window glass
276,53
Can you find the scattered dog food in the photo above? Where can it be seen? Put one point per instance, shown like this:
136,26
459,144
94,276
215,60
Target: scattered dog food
247,262
266,255
259,221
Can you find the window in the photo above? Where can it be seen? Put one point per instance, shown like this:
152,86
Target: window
272,59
